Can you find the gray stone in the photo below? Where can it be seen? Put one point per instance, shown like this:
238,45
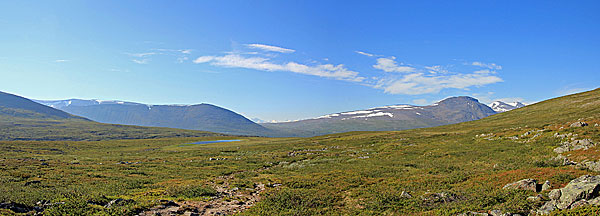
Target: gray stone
524,184
495,212
535,198
546,185
405,194
547,208
579,124
585,187
554,194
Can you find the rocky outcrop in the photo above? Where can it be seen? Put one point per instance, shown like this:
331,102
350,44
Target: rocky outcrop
578,124
524,184
575,145
580,191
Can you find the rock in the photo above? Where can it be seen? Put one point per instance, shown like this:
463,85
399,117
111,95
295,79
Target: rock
535,198
44,164
575,145
15,207
546,185
595,201
495,213
117,202
578,124
547,208
32,182
593,166
405,194
524,184
431,198
579,203
554,194
585,187
596,125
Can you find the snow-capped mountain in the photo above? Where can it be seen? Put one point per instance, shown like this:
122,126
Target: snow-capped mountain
205,117
59,104
500,106
394,117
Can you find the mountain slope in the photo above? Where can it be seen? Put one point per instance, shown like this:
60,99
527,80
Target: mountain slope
500,106
24,119
16,106
396,117
203,117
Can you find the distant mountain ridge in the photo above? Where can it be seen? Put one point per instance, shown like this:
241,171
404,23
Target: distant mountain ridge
500,106
205,117
24,119
394,117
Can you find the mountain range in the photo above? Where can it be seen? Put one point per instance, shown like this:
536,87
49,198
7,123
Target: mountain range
207,117
388,118
24,119
204,117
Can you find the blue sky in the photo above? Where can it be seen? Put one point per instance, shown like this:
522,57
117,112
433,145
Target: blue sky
286,60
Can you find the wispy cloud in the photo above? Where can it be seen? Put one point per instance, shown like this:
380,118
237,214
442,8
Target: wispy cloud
61,60
270,48
140,61
141,55
364,53
492,66
414,82
389,64
436,69
339,72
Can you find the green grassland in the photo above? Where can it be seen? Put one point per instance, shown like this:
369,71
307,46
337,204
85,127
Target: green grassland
356,173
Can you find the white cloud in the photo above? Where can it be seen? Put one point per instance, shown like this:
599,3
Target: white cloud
436,69
270,48
487,65
258,63
364,53
140,55
140,61
61,60
419,83
389,65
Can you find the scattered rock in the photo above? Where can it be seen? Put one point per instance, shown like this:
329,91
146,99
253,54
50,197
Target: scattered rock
592,165
117,202
575,145
32,182
405,194
578,124
536,198
473,213
44,164
524,184
443,197
576,193
16,207
546,185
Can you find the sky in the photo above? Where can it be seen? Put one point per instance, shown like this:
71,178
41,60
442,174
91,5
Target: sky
289,60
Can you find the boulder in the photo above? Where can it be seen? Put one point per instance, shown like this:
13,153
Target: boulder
547,208
546,185
524,184
554,194
585,187
578,124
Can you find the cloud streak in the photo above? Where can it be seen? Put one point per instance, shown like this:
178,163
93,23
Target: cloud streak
413,82
270,48
364,53
339,72
390,65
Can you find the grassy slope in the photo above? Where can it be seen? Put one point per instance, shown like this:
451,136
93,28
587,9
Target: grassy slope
349,173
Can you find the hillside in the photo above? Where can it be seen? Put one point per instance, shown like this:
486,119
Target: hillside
388,118
24,119
205,117
499,164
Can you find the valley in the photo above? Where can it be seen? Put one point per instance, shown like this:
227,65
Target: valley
445,170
